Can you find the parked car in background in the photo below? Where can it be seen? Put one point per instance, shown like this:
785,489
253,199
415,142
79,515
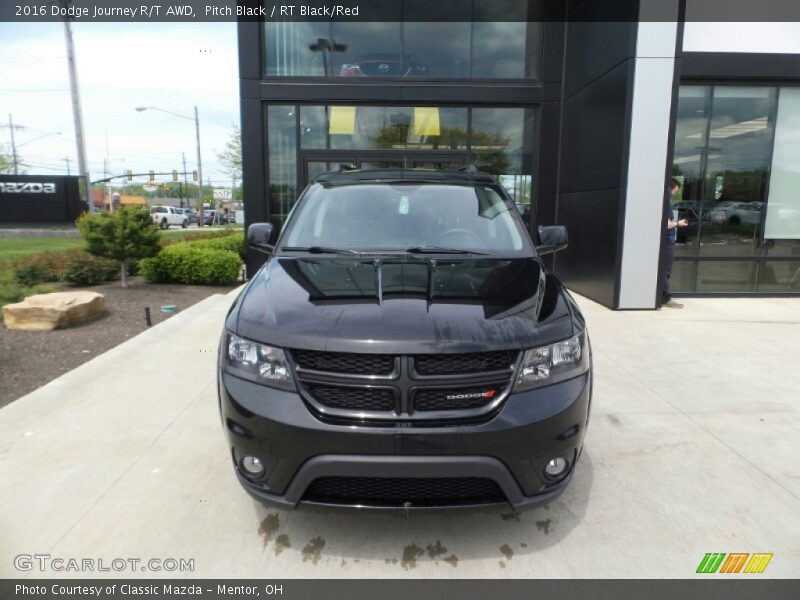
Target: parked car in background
164,216
213,217
191,215
735,213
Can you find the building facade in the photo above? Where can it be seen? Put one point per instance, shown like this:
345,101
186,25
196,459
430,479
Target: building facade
582,119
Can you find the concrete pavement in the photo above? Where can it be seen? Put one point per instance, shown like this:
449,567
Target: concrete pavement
693,447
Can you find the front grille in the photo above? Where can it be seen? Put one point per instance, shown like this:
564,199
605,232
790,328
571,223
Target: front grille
403,387
343,362
453,364
433,399
353,398
399,492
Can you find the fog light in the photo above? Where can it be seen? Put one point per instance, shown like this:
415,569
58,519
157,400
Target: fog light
556,467
252,466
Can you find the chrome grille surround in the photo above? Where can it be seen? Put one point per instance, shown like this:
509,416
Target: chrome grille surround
363,396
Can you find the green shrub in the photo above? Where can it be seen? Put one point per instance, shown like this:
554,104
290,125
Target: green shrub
44,267
90,270
124,235
34,273
180,236
12,290
191,264
47,267
231,243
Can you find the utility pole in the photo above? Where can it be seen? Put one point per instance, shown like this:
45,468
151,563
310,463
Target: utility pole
199,165
66,158
76,109
13,144
185,182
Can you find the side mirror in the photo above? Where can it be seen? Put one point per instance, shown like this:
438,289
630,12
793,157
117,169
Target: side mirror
261,235
552,239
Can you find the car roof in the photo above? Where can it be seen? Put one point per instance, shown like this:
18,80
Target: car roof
356,176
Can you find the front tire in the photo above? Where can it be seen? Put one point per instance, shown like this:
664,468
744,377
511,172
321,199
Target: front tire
184,224
164,224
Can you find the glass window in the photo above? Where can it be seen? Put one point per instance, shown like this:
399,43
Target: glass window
439,50
690,133
369,50
726,276
783,208
502,145
289,48
400,216
499,141
383,128
496,50
683,277
737,161
779,276
281,131
417,42
736,155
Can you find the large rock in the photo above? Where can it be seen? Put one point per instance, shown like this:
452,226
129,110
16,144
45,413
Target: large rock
44,312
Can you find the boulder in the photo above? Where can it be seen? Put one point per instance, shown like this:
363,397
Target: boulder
44,312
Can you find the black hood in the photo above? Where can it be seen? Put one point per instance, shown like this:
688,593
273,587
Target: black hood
402,306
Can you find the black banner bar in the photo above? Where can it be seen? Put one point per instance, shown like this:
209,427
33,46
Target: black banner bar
710,588
187,11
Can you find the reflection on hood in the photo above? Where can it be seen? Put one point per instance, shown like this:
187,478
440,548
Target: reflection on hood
498,285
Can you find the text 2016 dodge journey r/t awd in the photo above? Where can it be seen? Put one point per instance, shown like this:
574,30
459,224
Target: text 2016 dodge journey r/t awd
403,347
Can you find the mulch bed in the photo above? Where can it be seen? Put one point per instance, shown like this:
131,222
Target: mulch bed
29,359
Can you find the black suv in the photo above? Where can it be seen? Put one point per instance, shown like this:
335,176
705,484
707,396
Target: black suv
404,347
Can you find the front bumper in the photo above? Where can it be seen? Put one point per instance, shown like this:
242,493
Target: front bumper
511,449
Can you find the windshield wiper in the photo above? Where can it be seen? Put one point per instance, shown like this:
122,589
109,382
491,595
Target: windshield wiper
318,250
438,250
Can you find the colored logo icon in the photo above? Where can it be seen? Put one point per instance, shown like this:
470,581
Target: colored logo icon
734,562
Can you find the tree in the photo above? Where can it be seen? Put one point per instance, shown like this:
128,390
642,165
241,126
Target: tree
124,235
231,156
6,163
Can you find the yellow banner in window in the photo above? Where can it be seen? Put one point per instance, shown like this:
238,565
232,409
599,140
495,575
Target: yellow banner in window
343,120
426,121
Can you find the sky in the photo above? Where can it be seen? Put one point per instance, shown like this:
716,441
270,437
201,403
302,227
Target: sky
175,67
120,66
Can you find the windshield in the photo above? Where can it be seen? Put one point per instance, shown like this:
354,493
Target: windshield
406,216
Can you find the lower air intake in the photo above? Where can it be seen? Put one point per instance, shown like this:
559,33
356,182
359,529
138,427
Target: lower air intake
400,492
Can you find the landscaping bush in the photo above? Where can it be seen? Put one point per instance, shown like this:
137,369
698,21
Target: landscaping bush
12,290
231,243
90,270
47,267
125,235
43,267
182,235
191,263
35,272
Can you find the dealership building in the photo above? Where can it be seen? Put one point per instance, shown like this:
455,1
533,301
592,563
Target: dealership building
583,120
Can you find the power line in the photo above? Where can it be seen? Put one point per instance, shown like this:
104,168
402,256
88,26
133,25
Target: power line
22,60
34,89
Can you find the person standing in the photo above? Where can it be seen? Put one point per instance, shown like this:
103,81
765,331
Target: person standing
671,232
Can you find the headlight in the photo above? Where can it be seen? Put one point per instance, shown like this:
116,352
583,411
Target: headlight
257,362
550,364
